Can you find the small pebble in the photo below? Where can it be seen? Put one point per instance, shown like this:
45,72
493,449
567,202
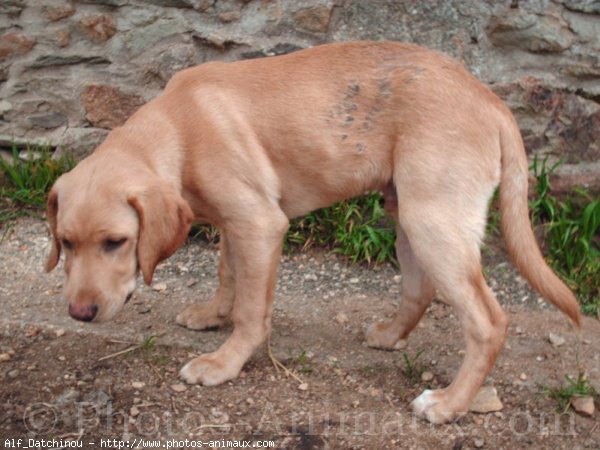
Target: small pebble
523,377
160,287
584,405
426,376
303,386
556,339
341,318
478,442
179,387
134,411
13,373
4,357
60,332
138,384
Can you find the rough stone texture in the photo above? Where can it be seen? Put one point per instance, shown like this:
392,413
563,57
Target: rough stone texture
314,19
47,120
54,13
12,44
518,29
98,28
108,107
541,56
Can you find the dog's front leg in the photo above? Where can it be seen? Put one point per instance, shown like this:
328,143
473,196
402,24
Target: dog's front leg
217,311
255,248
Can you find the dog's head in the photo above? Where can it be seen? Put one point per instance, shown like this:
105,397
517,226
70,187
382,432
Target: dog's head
111,221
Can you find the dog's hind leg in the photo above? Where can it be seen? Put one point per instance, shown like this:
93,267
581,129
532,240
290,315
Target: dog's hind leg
445,240
216,313
417,293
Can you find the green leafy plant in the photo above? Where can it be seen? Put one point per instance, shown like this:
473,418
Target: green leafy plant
357,228
25,181
571,234
302,363
574,387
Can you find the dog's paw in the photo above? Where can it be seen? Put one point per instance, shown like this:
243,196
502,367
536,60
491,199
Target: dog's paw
209,370
434,407
382,336
200,317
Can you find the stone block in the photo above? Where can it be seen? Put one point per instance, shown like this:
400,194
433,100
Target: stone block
108,107
536,33
315,18
14,43
98,28
54,13
48,120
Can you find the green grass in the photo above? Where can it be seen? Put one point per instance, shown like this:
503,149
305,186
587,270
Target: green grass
24,183
302,363
357,228
574,387
571,236
413,369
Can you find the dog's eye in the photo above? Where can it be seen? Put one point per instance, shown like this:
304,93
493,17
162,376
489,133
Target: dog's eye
113,244
68,245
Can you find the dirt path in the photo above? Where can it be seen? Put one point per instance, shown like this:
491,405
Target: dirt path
54,383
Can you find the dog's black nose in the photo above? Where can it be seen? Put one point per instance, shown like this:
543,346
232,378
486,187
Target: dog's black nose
85,313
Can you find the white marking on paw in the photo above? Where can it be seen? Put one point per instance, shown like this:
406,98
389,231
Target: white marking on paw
423,402
186,373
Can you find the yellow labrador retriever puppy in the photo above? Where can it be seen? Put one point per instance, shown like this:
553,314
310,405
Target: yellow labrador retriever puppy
248,145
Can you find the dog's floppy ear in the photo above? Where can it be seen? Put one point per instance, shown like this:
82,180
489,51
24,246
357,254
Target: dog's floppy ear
52,211
165,219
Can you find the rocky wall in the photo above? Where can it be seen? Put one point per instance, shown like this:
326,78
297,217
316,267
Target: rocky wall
72,70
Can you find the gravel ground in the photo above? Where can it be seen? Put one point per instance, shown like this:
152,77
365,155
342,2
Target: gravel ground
56,382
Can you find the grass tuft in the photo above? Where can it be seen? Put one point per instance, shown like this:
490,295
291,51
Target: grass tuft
413,369
571,236
357,228
565,393
24,182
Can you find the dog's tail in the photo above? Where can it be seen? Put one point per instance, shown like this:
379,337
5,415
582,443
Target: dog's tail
516,227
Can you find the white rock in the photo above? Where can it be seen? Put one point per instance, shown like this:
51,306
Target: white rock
303,386
426,376
486,401
179,387
160,287
138,384
556,339
4,357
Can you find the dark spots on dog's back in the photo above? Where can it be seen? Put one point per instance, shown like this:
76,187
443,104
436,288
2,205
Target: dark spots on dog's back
345,110
384,88
384,92
360,147
353,90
